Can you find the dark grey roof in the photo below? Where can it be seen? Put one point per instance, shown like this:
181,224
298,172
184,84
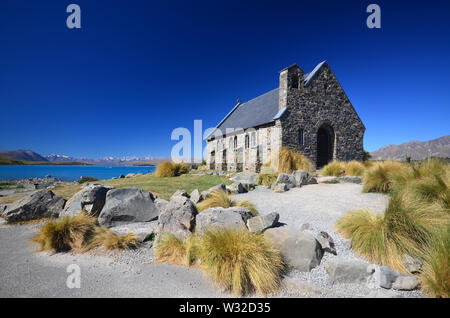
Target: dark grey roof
258,111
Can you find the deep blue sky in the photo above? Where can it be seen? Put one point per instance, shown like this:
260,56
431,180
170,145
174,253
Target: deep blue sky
138,69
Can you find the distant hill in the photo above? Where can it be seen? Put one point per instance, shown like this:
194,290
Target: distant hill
26,155
417,150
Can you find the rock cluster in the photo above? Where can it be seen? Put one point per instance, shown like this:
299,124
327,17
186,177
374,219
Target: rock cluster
297,179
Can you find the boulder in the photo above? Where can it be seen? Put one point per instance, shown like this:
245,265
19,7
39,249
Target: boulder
130,175
327,179
382,276
406,283
127,205
90,199
196,197
236,187
160,204
351,179
178,218
348,272
259,224
246,178
287,179
300,250
3,208
220,218
280,187
141,229
413,265
326,242
179,193
38,204
302,177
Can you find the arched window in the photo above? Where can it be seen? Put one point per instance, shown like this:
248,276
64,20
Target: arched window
235,142
247,142
254,139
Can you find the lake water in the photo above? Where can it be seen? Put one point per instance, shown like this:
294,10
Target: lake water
69,173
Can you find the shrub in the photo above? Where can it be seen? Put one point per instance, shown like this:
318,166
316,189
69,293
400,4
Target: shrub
219,198
289,161
66,233
267,179
170,249
436,272
240,261
379,177
354,168
87,179
171,169
334,168
105,238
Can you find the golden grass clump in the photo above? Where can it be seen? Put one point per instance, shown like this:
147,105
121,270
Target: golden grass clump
379,177
334,168
267,179
354,168
435,276
170,249
219,198
171,169
66,233
106,239
289,161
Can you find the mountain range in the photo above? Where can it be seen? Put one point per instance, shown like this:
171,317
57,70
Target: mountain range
416,150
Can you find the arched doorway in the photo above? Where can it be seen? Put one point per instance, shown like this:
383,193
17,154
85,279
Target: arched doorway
325,145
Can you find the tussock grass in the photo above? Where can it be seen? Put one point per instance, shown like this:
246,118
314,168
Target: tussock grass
436,272
334,168
237,260
80,233
354,168
289,161
108,240
171,169
219,198
267,179
66,233
379,177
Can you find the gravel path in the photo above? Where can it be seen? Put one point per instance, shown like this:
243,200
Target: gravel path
320,205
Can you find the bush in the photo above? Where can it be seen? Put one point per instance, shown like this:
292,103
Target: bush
436,272
87,179
105,238
267,179
354,168
334,168
289,161
171,169
236,259
219,198
379,177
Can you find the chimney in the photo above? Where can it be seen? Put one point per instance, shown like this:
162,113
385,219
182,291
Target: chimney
290,78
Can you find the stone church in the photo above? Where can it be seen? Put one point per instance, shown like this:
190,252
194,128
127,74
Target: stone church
308,113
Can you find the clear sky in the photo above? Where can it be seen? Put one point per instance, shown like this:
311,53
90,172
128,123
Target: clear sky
138,69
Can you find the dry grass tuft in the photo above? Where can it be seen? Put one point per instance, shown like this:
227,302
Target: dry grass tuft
379,177
334,168
171,249
106,239
267,179
219,198
354,168
171,169
289,161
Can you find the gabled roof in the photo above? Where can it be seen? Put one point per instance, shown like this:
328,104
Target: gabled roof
258,111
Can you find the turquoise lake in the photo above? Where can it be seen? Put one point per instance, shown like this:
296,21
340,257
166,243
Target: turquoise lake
69,173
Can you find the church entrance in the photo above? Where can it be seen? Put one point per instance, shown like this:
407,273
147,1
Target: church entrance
325,145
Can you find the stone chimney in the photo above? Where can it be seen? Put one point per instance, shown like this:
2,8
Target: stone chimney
290,78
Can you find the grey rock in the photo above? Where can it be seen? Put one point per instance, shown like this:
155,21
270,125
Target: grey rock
179,193
246,178
406,283
302,177
127,205
38,204
347,272
259,224
178,218
160,204
382,276
413,265
3,207
141,229
236,187
196,197
300,250
280,187
326,179
130,175
90,199
219,218
287,179
351,179
327,243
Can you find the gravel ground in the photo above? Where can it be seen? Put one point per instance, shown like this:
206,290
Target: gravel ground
27,273
320,205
